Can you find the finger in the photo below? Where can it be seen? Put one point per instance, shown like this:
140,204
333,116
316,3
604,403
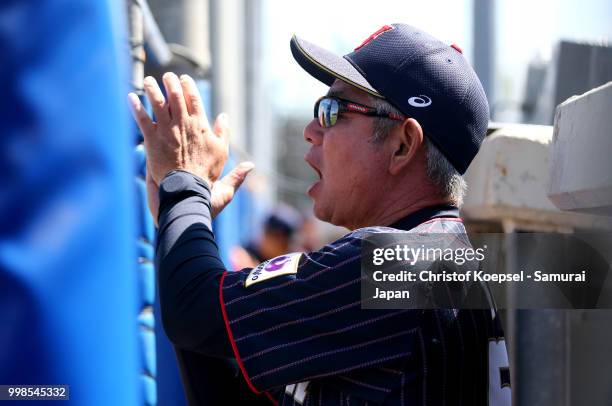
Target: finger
140,114
176,100
221,128
195,107
157,99
237,175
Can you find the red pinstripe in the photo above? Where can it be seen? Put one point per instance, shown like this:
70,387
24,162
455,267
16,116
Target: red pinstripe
274,401
292,302
350,348
231,337
298,321
365,385
342,330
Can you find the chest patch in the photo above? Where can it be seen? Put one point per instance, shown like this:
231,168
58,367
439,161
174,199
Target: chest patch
283,265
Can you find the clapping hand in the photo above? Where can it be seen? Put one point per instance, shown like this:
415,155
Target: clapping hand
182,139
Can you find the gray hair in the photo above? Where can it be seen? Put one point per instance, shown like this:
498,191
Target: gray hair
440,172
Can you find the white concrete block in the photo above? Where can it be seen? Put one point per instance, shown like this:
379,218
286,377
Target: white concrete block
511,169
508,182
581,153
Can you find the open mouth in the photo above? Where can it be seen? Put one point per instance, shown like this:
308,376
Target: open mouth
316,170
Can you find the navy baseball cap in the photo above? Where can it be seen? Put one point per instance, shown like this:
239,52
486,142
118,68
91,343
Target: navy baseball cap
421,76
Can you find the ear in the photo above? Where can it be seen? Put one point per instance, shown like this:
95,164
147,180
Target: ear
406,140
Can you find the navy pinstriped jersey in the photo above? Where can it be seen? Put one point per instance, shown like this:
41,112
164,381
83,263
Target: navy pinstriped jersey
296,327
306,331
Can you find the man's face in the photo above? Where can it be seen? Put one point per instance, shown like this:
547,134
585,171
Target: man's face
352,168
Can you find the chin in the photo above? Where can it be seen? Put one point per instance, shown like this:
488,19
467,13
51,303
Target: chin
321,211
326,215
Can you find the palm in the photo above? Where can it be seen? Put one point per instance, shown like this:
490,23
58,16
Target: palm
182,139
224,189
221,195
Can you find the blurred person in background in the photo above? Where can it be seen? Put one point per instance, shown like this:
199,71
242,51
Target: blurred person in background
404,117
277,238
310,238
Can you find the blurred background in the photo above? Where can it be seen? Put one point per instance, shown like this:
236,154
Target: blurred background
77,286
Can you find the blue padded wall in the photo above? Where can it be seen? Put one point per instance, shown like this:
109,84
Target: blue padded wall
146,278
68,288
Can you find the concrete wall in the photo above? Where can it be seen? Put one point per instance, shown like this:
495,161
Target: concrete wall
581,153
508,183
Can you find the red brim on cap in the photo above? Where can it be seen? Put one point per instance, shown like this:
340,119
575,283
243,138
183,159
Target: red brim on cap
327,66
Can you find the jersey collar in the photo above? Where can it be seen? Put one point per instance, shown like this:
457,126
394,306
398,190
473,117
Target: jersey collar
425,214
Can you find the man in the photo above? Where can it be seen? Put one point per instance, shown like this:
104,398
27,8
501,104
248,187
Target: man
404,116
276,238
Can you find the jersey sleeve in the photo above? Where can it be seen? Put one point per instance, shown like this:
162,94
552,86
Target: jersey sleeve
294,318
304,321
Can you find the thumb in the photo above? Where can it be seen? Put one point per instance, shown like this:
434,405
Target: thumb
237,175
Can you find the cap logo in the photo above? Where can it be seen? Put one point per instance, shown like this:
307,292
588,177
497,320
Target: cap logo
419,101
382,29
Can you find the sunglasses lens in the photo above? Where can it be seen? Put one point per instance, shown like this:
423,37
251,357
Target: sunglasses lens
327,112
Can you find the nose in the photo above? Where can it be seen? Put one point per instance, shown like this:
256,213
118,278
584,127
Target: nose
313,133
